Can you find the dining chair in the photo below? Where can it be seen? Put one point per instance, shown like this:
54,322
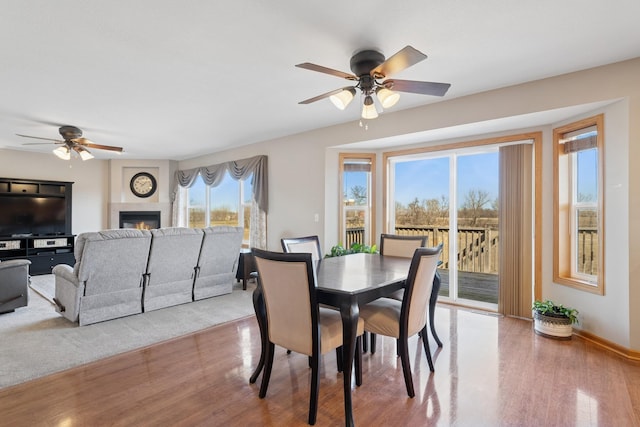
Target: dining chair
294,320
402,319
309,244
400,246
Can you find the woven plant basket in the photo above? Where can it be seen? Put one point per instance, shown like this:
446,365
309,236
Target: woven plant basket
556,327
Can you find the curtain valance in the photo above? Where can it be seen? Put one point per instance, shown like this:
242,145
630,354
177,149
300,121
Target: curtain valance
238,170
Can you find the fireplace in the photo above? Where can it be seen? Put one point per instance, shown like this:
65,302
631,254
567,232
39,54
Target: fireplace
141,220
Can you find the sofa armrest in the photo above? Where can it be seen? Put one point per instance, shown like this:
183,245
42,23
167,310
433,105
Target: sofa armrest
65,272
69,290
13,263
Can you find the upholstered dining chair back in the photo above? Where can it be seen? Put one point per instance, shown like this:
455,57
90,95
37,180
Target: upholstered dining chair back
308,244
286,282
400,246
419,285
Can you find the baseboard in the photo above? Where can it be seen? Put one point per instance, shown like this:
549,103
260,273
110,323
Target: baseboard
618,349
608,345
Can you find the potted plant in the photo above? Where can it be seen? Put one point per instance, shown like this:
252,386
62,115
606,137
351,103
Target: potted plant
339,250
553,320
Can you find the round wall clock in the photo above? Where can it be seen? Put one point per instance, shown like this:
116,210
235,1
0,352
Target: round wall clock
143,184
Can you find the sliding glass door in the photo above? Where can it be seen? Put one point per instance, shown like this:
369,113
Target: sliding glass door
477,227
452,197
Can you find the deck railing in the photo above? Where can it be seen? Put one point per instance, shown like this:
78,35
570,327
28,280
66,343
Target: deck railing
478,247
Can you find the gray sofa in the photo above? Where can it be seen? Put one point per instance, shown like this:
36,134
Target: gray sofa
124,272
214,276
172,267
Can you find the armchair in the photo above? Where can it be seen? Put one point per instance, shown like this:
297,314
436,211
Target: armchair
14,281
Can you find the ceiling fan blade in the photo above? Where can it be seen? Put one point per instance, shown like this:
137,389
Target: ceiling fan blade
323,96
86,143
423,88
331,71
405,58
37,137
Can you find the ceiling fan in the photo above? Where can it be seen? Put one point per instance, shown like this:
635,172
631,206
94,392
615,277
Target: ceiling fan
370,68
72,141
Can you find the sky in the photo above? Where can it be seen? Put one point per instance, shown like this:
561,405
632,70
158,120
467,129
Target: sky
429,178
225,194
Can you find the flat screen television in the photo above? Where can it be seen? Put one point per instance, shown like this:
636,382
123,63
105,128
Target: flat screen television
32,215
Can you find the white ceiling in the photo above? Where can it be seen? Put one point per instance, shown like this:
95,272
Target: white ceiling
177,79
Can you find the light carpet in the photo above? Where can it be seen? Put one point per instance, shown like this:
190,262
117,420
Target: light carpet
37,341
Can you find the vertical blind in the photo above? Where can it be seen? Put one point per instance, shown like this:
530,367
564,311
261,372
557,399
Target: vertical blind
515,230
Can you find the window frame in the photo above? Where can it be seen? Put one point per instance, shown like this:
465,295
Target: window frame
566,205
370,212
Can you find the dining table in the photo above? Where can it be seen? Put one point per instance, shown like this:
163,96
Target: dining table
346,283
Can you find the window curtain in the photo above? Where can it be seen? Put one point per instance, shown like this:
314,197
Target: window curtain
213,176
516,230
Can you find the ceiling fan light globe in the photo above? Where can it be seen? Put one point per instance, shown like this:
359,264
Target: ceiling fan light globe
344,98
369,108
62,152
85,155
387,98
83,152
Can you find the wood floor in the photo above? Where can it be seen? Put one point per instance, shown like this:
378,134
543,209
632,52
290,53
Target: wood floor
492,371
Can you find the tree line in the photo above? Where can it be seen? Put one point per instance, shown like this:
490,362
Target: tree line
478,209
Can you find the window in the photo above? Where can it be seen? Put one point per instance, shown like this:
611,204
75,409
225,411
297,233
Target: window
428,192
481,200
578,205
228,203
357,199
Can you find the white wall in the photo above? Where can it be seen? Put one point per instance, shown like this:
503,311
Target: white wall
602,315
303,181
97,184
90,178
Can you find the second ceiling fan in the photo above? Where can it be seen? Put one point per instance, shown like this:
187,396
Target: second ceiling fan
370,69
72,142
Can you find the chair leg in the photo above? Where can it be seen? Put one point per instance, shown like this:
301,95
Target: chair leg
432,307
315,386
372,338
268,364
365,338
261,317
433,328
425,344
406,367
358,361
339,358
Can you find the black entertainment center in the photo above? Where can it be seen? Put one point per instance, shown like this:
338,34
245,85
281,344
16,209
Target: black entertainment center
35,223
